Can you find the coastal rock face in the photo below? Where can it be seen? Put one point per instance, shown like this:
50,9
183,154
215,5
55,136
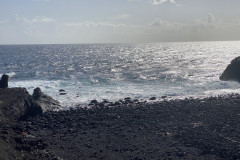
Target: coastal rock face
232,72
46,102
17,103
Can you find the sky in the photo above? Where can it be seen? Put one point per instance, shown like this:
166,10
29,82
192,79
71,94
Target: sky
118,21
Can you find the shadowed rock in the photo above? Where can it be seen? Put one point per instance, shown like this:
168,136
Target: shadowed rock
46,102
17,103
16,142
4,81
37,93
16,106
232,72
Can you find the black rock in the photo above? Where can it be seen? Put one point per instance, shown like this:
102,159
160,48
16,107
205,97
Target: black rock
127,98
46,102
4,81
94,102
105,101
232,72
153,98
61,90
37,93
117,103
22,104
101,105
32,108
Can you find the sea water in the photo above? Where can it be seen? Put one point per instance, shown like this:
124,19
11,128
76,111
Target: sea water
116,71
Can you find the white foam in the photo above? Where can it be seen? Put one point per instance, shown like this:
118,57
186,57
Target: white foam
81,93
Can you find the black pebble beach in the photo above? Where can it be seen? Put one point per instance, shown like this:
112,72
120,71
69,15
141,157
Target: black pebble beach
128,129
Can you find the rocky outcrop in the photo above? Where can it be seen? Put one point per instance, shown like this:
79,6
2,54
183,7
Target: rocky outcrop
46,102
16,106
17,103
4,81
232,72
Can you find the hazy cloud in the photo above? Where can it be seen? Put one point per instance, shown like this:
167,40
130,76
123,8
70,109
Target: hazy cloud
162,25
38,19
122,16
211,18
159,22
157,2
95,24
39,27
4,21
209,28
195,26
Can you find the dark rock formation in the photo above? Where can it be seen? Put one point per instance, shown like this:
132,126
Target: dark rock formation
16,106
46,102
153,98
17,103
61,90
232,72
4,81
37,93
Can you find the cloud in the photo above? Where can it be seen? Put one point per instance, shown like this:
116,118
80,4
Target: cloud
157,2
160,22
209,28
38,19
4,21
197,24
211,18
122,16
36,28
41,29
95,24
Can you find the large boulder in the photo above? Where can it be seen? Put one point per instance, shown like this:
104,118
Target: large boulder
46,102
232,72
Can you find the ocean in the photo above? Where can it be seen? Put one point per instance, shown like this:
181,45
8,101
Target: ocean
115,71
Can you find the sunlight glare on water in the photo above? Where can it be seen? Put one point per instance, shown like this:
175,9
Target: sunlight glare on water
115,71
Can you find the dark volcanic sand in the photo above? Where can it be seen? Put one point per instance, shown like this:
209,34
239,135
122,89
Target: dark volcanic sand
180,129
